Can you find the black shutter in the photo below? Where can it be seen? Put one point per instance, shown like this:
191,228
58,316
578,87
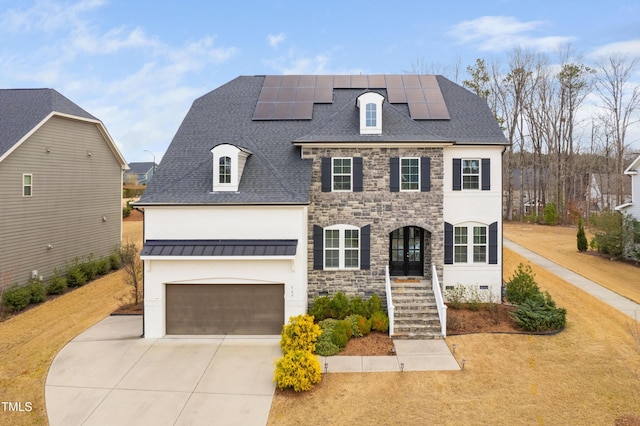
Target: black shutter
318,249
486,174
493,243
448,243
325,172
394,162
425,174
357,174
457,174
365,247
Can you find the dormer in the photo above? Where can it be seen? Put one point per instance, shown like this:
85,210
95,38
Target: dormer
228,164
370,105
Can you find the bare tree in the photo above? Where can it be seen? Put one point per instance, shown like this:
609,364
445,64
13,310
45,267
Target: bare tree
132,265
619,98
421,66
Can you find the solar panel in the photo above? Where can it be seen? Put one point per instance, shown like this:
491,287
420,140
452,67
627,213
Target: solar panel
291,97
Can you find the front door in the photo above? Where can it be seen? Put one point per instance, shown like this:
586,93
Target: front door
406,251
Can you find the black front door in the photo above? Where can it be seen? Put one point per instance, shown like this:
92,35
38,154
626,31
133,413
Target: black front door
406,251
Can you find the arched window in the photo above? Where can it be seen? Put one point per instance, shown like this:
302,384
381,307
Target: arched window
371,119
224,174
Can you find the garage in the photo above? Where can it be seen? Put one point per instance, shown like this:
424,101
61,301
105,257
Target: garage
235,309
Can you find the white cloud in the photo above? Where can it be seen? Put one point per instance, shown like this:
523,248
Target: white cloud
48,16
501,33
275,40
629,48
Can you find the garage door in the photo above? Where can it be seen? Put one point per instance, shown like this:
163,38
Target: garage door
224,308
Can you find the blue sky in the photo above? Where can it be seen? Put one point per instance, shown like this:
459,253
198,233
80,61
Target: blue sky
138,65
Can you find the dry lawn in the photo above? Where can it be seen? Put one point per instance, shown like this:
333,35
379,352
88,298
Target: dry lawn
30,341
588,374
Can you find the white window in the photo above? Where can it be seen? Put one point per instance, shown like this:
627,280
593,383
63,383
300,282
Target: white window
463,250
410,174
342,247
341,174
471,174
27,185
371,118
224,173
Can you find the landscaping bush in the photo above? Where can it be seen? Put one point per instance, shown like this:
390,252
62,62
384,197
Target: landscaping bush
321,308
75,275
16,298
297,369
339,330
455,296
353,321
581,237
609,235
115,260
364,325
380,322
57,284
374,304
550,214
540,314
357,306
325,346
299,334
522,285
104,266
90,268
37,291
339,306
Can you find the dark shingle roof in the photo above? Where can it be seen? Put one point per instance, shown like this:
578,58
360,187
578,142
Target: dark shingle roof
140,168
219,248
275,173
22,109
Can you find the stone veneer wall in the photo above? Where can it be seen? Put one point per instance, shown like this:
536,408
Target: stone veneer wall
379,207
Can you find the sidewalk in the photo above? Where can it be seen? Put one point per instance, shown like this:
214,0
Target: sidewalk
615,300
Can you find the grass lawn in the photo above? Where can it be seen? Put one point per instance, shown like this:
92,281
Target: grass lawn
30,341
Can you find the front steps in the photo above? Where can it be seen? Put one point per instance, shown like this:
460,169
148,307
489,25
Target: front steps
416,313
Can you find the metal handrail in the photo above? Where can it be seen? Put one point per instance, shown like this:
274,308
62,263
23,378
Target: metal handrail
390,308
442,308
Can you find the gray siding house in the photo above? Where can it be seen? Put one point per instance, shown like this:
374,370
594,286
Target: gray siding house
60,185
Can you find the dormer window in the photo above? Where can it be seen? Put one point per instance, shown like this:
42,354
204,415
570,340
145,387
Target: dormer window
370,105
228,165
224,174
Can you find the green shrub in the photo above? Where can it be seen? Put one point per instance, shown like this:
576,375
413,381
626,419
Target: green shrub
550,214
581,237
37,290
353,321
57,284
342,332
75,275
339,306
115,260
357,306
104,266
609,235
300,334
16,297
540,314
364,325
90,268
325,346
380,322
321,308
522,285
126,210
297,369
374,304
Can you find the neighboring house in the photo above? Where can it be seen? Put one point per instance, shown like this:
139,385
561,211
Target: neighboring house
140,173
633,205
606,191
61,185
277,189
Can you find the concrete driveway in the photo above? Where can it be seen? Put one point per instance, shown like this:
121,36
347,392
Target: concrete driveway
108,375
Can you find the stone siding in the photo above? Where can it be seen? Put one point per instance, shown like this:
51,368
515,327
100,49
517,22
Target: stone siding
380,208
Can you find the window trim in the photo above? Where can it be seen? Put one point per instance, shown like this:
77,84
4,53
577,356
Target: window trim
418,165
225,170
342,249
25,185
371,115
470,244
333,175
478,175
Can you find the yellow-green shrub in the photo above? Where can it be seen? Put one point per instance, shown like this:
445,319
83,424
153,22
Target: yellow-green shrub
300,334
297,369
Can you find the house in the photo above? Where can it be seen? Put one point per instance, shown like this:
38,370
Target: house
61,176
277,189
140,173
606,191
632,205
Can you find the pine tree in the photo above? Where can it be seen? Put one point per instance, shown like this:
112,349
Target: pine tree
582,238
